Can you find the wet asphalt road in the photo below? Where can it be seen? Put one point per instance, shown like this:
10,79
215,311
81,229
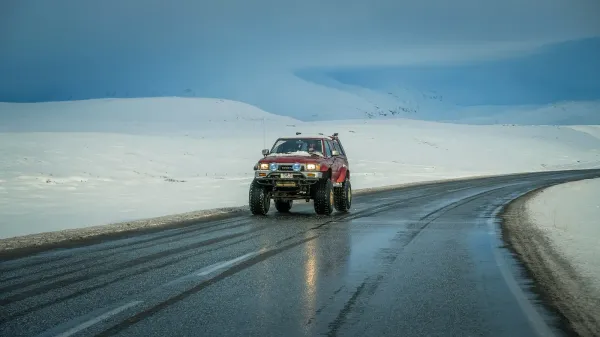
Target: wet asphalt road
421,261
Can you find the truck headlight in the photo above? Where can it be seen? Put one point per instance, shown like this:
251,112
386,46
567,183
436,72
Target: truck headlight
273,167
264,166
313,167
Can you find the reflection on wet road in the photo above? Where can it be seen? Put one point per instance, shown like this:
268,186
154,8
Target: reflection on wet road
420,261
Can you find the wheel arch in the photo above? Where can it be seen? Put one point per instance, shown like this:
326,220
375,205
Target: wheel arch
344,174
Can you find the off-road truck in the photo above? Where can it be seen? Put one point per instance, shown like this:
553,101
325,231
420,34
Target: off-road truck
302,168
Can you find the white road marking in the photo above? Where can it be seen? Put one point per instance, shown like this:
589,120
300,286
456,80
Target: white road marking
206,270
93,321
459,189
222,265
536,320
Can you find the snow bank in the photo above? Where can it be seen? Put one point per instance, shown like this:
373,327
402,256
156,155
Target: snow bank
569,215
121,160
556,232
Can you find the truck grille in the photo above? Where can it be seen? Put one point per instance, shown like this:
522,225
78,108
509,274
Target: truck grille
285,168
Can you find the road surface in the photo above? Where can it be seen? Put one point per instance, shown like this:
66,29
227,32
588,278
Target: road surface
420,261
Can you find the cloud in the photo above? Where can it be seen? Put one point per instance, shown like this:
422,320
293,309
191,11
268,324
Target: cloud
70,49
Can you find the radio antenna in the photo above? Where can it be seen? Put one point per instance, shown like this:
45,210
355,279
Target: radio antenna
264,134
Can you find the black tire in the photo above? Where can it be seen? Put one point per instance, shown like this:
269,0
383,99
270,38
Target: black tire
324,197
343,196
259,199
283,206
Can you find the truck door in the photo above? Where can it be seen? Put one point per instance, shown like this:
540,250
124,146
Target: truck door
336,163
340,159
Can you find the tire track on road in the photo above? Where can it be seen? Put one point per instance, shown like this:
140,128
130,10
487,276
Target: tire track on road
371,283
6,318
37,279
131,263
181,296
16,265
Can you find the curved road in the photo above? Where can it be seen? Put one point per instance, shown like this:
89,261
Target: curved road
419,261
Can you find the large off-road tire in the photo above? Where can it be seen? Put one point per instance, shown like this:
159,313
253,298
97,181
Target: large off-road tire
343,196
324,197
283,206
259,199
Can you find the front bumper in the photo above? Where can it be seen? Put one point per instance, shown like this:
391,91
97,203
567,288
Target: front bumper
287,178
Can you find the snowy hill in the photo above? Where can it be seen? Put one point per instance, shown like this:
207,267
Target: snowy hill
124,159
564,113
350,101
135,115
551,84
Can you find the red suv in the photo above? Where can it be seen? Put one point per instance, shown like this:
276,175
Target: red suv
302,168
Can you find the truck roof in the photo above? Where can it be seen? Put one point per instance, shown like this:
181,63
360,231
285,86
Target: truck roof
309,136
305,137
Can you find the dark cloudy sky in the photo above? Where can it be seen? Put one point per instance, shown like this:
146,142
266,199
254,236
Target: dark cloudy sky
250,50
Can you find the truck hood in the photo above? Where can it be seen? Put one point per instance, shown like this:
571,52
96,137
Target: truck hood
291,159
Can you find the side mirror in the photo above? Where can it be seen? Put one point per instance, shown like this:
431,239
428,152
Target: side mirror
265,152
335,153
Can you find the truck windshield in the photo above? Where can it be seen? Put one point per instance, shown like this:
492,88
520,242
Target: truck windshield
298,146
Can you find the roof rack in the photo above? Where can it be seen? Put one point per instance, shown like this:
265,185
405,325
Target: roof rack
319,133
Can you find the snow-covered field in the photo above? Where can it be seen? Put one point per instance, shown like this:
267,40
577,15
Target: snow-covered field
569,215
83,163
